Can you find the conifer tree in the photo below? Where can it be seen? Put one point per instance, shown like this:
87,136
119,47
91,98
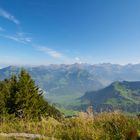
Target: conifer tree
21,97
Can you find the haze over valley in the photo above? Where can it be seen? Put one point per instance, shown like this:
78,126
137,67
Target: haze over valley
65,84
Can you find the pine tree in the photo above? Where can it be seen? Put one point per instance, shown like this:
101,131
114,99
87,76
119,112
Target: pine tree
2,102
11,94
22,98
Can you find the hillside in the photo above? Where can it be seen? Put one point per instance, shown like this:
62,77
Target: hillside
55,79
119,95
63,84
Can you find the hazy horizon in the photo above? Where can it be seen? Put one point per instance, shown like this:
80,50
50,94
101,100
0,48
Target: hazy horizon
43,65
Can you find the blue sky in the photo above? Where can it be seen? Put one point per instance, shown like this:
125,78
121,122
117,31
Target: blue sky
40,32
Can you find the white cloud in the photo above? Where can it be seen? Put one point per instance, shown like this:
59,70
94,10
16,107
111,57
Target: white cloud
50,52
22,36
8,16
18,38
12,38
78,60
2,29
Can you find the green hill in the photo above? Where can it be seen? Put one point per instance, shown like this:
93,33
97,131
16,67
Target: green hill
119,95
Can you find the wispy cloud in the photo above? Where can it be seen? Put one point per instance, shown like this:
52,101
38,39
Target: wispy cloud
18,38
1,29
78,60
23,38
51,52
8,16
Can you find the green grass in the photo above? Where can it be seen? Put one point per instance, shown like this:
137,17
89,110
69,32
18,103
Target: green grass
112,101
67,112
66,101
126,93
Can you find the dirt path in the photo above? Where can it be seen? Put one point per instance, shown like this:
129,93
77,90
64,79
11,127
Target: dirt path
25,135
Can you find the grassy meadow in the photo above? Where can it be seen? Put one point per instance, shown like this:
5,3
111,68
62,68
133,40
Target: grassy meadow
102,126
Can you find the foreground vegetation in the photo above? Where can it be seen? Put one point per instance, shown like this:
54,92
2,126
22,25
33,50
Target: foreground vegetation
21,98
24,110
102,126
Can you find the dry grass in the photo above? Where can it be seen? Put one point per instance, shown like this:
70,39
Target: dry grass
103,126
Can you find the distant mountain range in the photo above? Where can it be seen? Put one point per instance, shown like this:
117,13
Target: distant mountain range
58,80
124,96
63,84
